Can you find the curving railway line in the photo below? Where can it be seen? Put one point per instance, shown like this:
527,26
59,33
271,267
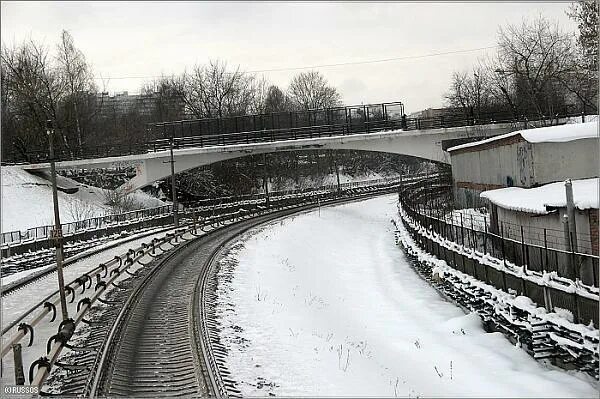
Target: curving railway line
160,344
154,334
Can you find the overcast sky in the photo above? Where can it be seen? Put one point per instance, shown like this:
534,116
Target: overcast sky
144,39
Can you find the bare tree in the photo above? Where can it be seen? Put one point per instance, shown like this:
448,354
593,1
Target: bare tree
120,202
585,13
166,97
80,90
33,90
259,87
471,92
212,91
537,70
535,56
310,90
37,87
276,100
584,83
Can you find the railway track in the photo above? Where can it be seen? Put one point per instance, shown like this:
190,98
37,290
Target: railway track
158,337
74,253
154,333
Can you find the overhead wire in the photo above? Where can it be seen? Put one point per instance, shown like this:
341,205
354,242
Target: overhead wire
334,64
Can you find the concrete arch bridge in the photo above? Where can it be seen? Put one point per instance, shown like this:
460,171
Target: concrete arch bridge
378,129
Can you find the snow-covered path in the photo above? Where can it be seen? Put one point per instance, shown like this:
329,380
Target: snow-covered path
324,304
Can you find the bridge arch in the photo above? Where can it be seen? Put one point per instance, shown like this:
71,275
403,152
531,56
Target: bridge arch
152,166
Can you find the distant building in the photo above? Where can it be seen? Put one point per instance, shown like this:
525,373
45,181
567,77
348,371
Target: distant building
150,106
524,158
434,112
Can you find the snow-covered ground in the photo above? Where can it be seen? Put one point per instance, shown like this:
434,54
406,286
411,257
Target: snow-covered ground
325,304
331,178
27,201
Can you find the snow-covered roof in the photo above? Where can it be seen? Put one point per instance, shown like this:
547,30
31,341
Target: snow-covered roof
539,199
550,134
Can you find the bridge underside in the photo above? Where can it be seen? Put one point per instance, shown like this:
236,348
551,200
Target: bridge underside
153,166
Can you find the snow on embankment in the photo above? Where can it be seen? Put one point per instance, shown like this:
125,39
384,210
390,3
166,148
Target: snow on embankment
27,201
331,178
325,304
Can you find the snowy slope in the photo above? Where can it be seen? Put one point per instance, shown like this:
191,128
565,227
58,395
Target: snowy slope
308,181
27,201
324,304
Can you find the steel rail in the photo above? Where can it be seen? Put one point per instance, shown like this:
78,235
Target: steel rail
199,338
58,345
215,221
46,364
109,346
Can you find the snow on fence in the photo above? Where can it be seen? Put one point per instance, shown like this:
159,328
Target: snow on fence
552,277
512,243
544,334
550,316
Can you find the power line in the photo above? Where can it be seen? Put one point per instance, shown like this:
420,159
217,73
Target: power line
375,61
334,65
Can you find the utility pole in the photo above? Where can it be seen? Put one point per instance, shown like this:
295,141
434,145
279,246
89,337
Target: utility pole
337,170
173,185
571,213
56,233
568,241
265,179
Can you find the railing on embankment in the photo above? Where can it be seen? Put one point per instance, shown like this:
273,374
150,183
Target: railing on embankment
481,272
534,271
38,238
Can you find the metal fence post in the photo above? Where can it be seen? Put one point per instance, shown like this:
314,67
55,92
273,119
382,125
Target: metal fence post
485,235
523,250
567,237
574,259
18,363
462,234
545,265
571,213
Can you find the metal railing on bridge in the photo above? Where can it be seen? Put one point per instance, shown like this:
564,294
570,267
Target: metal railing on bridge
349,119
283,126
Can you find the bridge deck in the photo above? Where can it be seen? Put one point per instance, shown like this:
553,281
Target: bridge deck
328,122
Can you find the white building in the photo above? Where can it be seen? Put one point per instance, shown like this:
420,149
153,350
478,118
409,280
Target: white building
524,158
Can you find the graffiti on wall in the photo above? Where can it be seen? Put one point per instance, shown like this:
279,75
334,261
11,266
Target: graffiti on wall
523,163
